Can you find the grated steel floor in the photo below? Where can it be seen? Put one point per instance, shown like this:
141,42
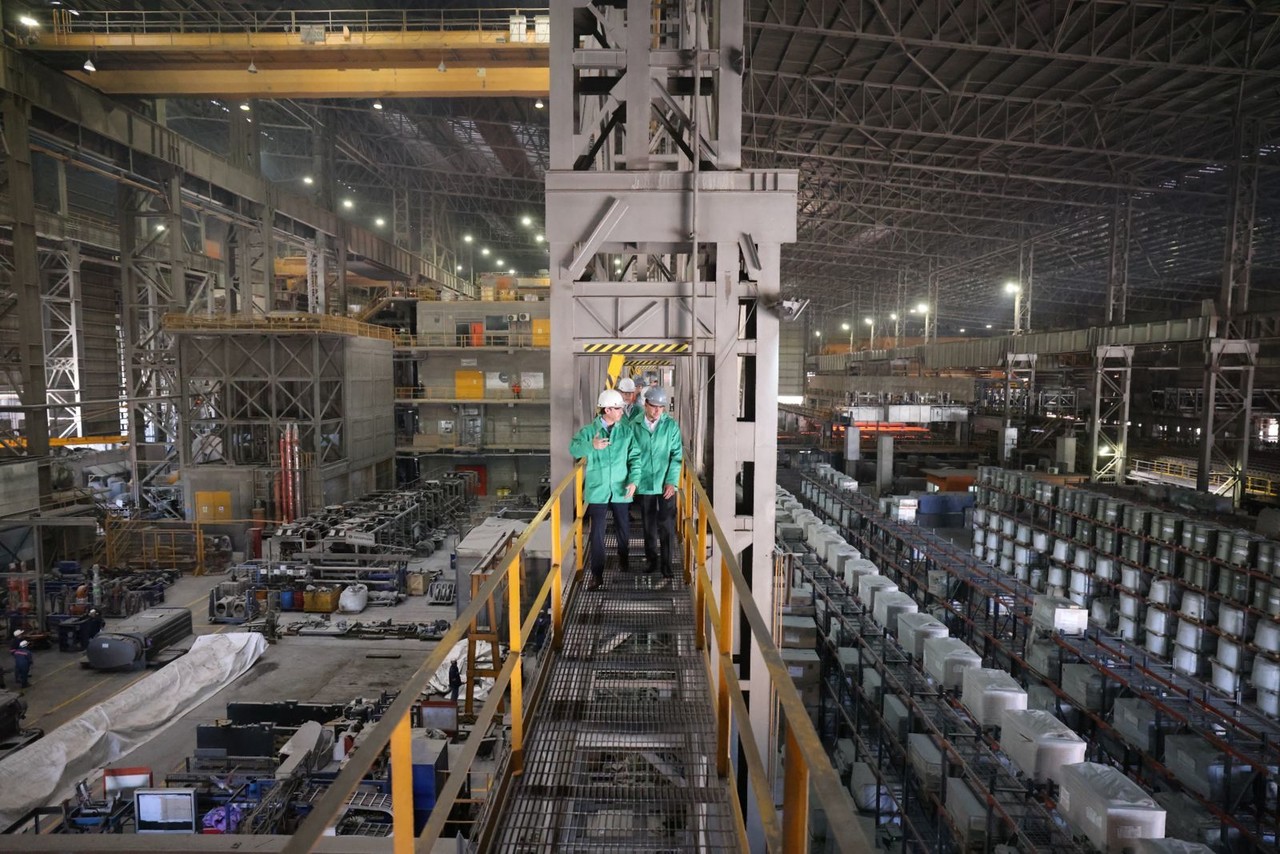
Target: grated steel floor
619,756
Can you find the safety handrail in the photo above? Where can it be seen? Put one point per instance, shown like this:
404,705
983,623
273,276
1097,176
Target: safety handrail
807,766
393,728
231,21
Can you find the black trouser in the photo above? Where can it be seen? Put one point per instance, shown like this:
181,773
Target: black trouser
622,526
658,516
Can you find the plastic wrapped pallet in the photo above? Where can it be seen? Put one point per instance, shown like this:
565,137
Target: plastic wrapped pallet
1132,606
801,596
1204,769
1045,657
1160,621
1237,656
834,546
1236,621
1266,636
857,569
872,684
1141,725
968,815
844,554
897,717
1102,612
1129,629
1055,614
946,659
1196,637
925,759
1226,679
988,694
1107,807
866,790
1158,644
914,628
1197,606
1086,686
870,586
1164,592
1132,579
1038,743
892,605
1189,662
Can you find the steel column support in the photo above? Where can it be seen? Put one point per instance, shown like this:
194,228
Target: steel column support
1228,414
1237,261
26,284
63,340
1112,371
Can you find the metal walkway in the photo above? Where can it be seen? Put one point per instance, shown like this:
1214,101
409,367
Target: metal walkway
620,754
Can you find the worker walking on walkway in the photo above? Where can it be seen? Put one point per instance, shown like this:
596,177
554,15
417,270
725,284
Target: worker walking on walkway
455,680
661,456
613,458
22,661
631,409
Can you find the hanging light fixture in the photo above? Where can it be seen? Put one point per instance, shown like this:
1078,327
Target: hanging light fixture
538,105
89,66
377,104
252,69
441,67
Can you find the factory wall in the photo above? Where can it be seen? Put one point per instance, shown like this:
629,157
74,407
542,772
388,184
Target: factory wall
367,401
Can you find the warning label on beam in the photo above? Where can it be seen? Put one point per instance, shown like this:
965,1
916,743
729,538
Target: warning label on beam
636,348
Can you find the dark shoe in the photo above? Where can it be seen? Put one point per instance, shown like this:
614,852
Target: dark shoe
666,573
652,566
594,583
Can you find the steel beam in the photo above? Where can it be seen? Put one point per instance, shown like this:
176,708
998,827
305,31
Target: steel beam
1109,426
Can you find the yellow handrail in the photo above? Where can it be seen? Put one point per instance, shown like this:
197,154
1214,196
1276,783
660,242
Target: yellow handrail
282,324
807,766
393,729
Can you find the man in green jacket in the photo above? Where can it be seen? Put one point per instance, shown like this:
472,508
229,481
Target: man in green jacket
613,461
661,455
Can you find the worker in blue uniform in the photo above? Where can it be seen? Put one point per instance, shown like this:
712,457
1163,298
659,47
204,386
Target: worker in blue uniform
608,445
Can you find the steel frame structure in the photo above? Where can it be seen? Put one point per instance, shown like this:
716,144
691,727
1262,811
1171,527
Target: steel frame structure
1109,433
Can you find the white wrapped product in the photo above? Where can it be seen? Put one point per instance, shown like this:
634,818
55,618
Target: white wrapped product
1056,614
870,586
1266,636
946,659
1160,622
968,815
834,546
988,694
867,792
1163,592
844,554
1203,768
925,759
915,628
1038,743
1107,807
855,569
892,605
1198,607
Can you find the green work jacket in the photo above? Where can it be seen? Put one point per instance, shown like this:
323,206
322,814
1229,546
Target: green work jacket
609,471
661,454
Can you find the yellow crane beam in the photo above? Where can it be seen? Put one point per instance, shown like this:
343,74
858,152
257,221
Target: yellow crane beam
471,82
361,64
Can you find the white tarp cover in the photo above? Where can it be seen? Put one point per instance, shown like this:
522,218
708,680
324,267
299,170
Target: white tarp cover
50,768
1106,806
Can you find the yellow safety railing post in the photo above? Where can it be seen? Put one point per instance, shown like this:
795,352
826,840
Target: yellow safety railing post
795,797
402,788
557,578
580,511
726,663
515,644
699,566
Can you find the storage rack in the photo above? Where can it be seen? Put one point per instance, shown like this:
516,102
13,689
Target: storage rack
846,625
982,604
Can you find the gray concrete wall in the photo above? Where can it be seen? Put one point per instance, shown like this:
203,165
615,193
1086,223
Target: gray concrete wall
19,487
368,395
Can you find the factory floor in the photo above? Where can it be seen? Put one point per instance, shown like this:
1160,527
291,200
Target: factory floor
307,669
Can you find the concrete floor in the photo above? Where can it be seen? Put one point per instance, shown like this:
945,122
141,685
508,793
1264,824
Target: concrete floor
307,669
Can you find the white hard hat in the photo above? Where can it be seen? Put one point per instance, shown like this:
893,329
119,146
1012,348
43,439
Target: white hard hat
24,644
17,633
626,384
609,397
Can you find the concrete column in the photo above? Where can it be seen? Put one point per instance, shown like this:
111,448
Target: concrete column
884,464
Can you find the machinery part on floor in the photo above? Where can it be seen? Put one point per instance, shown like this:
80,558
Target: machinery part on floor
320,625
354,599
12,736
442,592
139,639
233,602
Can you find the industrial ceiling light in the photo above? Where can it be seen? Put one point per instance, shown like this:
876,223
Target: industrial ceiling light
526,221
539,238
379,222
245,106
252,69
89,66
441,67
28,22
347,203
511,272
538,105
377,105
308,180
